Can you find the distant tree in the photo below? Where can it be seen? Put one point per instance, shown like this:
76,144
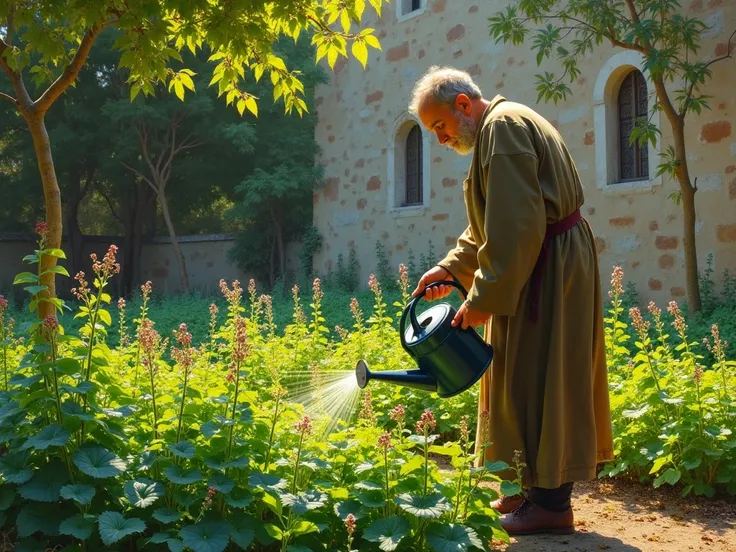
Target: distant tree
49,42
668,40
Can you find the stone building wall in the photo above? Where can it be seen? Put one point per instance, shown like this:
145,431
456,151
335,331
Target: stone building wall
363,124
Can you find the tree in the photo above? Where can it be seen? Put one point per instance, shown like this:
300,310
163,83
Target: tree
43,46
669,42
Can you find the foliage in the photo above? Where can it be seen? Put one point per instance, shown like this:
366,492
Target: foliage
668,41
673,409
246,438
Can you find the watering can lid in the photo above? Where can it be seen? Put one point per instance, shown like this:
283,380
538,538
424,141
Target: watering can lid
431,321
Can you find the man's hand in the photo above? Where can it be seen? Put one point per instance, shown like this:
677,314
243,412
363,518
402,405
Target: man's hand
468,317
434,274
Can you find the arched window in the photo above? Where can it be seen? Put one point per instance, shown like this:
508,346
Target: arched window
632,105
414,164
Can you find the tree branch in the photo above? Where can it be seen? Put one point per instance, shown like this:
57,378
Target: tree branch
109,205
728,54
71,71
9,98
143,176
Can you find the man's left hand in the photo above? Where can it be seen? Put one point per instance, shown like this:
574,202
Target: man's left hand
469,317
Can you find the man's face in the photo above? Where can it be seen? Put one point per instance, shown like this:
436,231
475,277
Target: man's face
453,125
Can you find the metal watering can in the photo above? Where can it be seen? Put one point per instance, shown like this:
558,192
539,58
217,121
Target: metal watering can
450,360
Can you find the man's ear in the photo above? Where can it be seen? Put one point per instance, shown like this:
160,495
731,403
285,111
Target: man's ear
463,104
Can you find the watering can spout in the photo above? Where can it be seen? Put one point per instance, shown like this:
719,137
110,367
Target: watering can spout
417,379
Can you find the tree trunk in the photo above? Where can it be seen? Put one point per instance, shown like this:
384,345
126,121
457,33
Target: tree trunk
687,191
175,243
52,198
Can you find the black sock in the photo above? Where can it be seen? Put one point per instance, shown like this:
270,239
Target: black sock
555,500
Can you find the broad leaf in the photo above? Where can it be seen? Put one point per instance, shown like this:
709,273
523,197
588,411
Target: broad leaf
113,527
143,493
7,495
510,489
310,500
267,482
183,449
78,526
50,436
98,462
388,532
166,515
431,506
13,468
243,530
221,482
46,483
43,518
452,538
83,494
179,476
207,536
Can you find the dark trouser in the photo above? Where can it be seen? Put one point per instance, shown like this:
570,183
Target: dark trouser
556,500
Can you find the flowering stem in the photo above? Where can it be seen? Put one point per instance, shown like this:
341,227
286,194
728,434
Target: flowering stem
426,461
388,491
5,355
181,408
296,462
235,408
153,396
88,371
273,431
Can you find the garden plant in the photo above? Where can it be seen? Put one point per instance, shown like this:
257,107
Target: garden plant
258,438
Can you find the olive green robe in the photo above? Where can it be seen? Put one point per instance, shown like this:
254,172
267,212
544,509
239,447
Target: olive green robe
547,388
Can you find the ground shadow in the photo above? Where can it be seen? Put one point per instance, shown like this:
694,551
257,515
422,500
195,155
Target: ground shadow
578,542
714,515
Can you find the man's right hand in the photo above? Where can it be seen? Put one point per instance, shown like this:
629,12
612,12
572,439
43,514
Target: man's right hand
434,274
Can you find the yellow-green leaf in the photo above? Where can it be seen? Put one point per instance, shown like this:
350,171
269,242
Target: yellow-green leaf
179,89
372,41
345,21
360,52
332,56
252,106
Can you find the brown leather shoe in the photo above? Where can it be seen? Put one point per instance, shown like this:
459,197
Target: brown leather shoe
530,519
507,504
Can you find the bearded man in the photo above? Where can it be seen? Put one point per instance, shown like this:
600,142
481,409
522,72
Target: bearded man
529,263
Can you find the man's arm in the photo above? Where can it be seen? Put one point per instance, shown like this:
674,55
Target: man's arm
462,261
514,220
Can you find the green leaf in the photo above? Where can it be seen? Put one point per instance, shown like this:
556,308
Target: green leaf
58,253
166,515
388,532
113,527
43,518
50,436
25,278
7,496
207,536
58,269
98,462
267,482
80,493
46,483
179,476
671,476
310,500
510,489
105,317
452,538
183,449
13,468
243,531
143,493
221,482
78,526
431,506
35,290
496,466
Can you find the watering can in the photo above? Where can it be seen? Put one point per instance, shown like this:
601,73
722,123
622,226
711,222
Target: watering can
450,360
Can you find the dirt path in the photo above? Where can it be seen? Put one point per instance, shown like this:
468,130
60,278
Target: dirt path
624,517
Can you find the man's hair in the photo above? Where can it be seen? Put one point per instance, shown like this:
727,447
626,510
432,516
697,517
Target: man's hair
442,85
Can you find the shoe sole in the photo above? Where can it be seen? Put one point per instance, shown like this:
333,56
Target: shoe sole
556,531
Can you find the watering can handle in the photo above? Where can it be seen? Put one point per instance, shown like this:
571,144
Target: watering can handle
412,307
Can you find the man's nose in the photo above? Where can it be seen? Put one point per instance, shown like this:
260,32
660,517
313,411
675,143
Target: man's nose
441,137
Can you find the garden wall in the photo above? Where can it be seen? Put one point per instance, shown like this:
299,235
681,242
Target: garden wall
206,259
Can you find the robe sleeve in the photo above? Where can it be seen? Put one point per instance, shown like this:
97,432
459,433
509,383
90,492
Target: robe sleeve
514,220
462,261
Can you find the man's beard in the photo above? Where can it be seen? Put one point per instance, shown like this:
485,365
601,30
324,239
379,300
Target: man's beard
464,142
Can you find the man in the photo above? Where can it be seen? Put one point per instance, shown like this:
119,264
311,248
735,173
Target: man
529,263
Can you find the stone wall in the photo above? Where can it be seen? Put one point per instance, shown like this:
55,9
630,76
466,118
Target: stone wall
362,112
206,259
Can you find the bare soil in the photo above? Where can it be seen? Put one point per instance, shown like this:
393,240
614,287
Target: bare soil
620,516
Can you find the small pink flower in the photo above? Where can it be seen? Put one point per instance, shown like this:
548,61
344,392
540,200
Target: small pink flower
303,426
373,284
148,338
426,422
42,228
698,374
82,291
240,347
146,290
121,304
464,430
397,413
617,282
213,309
654,310
350,524
640,325
679,322
384,442
231,296
50,324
